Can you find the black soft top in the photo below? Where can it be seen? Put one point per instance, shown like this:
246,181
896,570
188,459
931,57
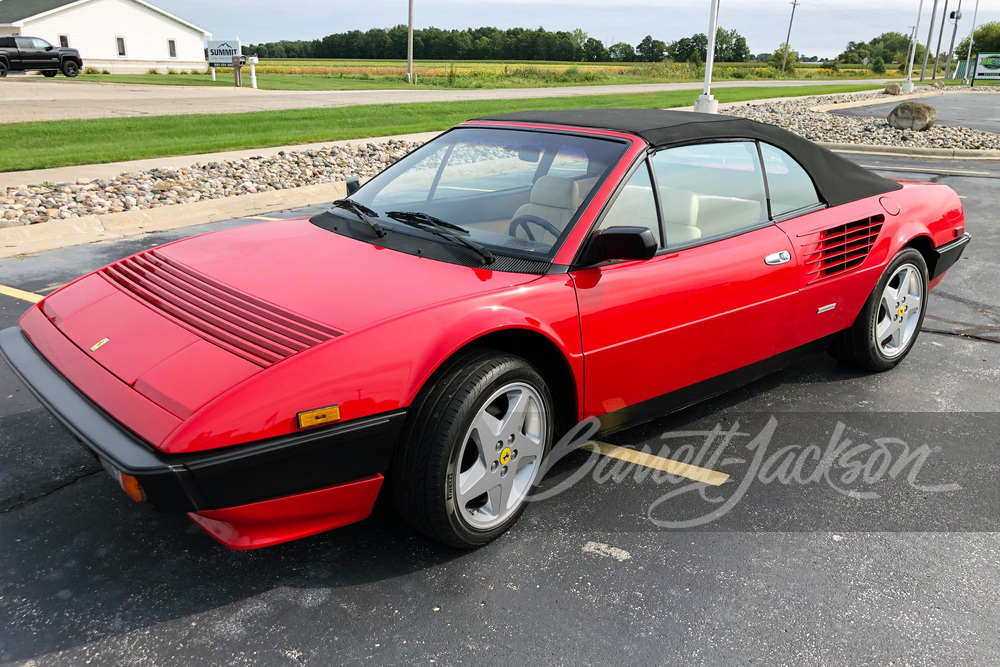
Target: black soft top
837,179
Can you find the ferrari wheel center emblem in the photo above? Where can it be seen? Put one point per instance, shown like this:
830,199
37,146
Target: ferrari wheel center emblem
902,309
505,456
99,344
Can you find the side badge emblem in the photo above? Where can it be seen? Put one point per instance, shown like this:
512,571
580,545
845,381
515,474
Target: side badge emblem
99,344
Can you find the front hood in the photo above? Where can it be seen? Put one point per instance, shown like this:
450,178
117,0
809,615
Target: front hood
184,323
339,281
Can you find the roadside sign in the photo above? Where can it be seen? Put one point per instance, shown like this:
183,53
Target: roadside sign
221,52
988,67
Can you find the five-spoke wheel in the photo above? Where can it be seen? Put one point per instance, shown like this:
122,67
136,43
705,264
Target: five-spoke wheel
473,448
888,325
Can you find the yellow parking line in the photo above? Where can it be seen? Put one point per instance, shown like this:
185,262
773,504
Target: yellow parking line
712,477
20,294
927,169
263,217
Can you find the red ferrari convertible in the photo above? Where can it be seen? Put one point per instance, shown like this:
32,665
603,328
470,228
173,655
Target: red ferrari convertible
444,323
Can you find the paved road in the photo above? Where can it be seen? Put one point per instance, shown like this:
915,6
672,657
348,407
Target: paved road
954,110
31,99
793,574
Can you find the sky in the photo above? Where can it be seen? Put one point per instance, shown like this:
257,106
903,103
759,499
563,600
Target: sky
821,27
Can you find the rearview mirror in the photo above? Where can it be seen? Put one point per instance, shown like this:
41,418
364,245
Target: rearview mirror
529,154
620,243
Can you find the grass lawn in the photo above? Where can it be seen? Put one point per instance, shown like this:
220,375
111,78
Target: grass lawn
47,144
282,74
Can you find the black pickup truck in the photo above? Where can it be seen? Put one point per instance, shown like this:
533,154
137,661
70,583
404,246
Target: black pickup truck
21,54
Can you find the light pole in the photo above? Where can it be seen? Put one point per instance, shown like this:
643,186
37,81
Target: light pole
409,49
937,53
954,33
788,37
930,38
705,102
972,38
907,86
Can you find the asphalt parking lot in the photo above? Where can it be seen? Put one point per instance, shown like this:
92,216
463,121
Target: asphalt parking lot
897,563
954,109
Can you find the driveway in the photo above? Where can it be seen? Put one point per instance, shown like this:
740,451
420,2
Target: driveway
27,99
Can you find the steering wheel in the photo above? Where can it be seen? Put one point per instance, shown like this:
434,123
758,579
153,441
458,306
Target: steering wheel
526,219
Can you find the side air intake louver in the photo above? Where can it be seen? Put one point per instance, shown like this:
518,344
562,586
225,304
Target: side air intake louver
258,331
839,249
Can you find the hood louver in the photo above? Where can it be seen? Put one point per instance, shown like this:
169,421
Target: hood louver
255,330
839,249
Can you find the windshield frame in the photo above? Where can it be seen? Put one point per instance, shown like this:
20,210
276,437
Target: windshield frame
625,142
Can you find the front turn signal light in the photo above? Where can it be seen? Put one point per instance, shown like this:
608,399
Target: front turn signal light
131,486
319,416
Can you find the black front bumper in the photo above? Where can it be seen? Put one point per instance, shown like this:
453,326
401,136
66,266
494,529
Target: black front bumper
948,254
237,475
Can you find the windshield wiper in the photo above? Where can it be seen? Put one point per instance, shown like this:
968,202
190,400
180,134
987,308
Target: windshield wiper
363,213
441,228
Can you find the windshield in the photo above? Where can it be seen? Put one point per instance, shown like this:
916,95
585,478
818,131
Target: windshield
515,192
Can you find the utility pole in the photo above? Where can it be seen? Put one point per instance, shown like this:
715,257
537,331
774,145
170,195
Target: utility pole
784,59
409,49
907,86
930,38
972,38
705,102
937,53
954,33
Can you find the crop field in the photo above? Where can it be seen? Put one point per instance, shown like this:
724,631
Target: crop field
281,74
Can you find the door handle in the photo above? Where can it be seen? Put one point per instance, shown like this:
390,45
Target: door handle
776,258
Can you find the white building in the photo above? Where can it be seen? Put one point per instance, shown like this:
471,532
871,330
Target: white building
122,36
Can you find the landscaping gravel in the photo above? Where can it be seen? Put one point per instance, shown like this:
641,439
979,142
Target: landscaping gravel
795,115
35,203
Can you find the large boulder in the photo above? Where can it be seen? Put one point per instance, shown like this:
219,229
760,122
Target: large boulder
938,84
913,116
892,88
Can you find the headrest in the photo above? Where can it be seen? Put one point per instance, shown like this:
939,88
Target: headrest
556,192
680,207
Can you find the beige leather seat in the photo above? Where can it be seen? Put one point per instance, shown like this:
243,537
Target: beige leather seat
680,215
634,207
554,199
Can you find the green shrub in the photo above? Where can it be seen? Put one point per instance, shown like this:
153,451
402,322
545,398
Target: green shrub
152,70
90,70
104,71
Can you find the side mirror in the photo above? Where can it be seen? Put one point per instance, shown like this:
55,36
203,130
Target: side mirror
49,47
620,243
353,185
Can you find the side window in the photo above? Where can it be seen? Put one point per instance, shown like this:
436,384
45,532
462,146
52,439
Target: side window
709,189
120,45
787,182
40,44
172,48
64,41
635,205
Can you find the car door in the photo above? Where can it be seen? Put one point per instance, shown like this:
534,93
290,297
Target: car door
30,56
662,333
48,55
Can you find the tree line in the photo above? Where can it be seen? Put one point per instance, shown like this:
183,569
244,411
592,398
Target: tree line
497,44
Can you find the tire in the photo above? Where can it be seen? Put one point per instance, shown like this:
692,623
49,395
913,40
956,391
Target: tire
888,325
70,68
49,73
466,421
3,70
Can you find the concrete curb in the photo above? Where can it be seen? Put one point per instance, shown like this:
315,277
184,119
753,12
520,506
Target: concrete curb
88,229
885,99
950,153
